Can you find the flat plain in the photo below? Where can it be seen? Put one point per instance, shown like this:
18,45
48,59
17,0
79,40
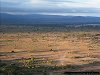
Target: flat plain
52,48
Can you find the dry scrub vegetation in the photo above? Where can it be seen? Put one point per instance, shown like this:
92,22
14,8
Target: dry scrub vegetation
42,50
54,48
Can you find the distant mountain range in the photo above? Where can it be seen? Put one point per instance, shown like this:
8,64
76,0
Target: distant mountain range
46,19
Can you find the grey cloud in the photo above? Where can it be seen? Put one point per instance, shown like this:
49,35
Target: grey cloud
23,6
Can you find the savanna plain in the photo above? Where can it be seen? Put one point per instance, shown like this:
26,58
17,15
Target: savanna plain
29,50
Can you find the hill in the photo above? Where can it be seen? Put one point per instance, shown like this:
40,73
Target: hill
46,19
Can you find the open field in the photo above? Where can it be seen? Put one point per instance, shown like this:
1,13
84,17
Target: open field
75,50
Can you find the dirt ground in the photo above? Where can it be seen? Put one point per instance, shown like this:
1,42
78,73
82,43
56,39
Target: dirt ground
62,48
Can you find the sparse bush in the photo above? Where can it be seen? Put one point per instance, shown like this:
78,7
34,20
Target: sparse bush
12,51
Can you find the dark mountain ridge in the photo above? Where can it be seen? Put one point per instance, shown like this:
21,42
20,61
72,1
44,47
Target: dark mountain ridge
46,19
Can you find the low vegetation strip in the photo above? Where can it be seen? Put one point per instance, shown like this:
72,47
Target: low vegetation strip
82,73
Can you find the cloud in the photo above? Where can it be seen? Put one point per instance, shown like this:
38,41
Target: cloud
58,3
9,1
50,6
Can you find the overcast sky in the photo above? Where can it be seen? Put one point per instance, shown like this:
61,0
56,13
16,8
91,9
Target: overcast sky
51,7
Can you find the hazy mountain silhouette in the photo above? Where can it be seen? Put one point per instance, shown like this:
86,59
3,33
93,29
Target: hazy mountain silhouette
45,19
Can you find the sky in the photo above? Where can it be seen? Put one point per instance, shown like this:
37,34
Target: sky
51,7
